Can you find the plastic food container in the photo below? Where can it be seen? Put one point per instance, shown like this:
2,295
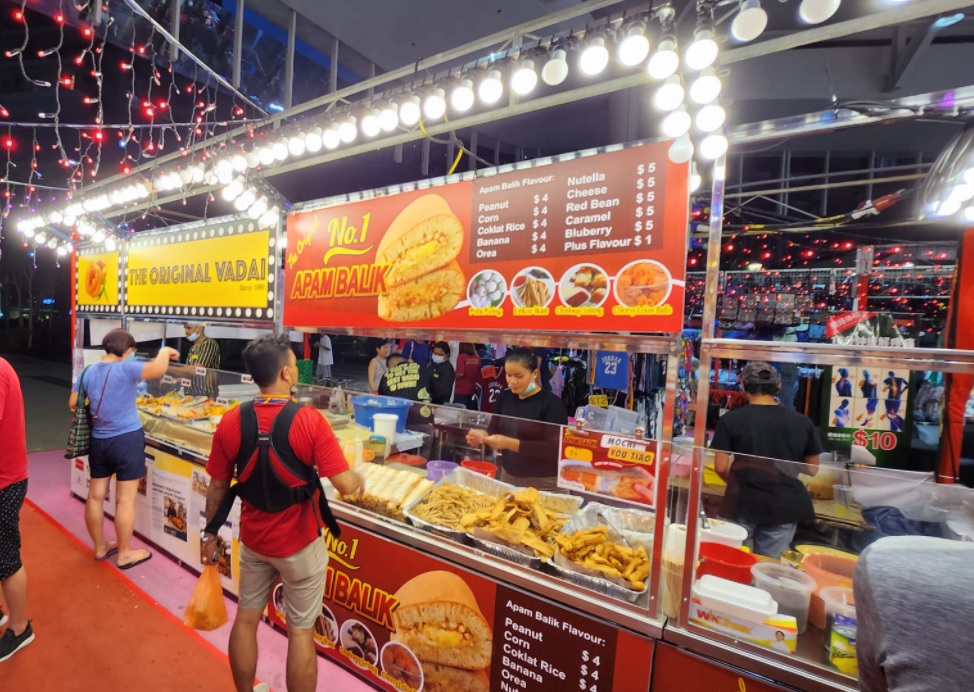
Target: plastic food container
724,532
791,588
437,468
725,562
483,467
367,406
827,570
732,598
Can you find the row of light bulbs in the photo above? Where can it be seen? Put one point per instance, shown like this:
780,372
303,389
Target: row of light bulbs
959,196
631,42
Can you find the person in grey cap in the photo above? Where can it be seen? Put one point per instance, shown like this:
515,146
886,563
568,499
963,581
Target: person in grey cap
763,493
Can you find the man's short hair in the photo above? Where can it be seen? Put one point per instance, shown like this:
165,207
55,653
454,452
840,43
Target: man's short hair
760,378
265,357
395,359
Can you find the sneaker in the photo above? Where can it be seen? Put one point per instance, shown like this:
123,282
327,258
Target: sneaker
11,644
262,687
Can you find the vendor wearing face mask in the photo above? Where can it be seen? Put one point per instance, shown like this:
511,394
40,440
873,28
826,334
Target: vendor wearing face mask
204,353
526,430
443,374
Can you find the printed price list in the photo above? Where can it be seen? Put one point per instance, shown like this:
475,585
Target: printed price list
540,646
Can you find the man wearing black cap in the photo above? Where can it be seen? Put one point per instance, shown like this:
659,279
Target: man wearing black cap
763,491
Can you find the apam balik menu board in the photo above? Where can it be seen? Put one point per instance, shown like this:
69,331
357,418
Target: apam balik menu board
596,242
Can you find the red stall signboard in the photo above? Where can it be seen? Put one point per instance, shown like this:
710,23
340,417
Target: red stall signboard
411,622
676,669
554,247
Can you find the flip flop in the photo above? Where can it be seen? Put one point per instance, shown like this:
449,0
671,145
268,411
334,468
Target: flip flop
130,565
111,551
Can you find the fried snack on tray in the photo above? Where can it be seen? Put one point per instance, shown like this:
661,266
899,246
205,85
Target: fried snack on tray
447,504
592,549
520,520
388,490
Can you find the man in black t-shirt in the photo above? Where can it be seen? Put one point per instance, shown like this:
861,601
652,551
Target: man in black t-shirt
406,380
770,445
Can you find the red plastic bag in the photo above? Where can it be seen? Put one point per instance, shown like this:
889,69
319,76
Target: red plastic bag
206,610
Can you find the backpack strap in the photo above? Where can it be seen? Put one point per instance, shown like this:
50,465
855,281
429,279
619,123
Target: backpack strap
248,445
280,440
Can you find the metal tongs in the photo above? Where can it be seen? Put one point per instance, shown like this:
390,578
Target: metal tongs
605,520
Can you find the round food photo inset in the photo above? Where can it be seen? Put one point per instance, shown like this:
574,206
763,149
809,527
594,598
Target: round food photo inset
643,283
533,287
401,664
326,628
584,285
358,640
487,289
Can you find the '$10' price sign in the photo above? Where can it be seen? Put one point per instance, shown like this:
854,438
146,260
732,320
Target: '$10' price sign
884,441
589,680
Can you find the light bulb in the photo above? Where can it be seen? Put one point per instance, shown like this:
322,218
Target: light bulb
710,118
110,244
491,88
695,178
594,57
524,79
702,53
239,163
295,145
818,11
244,201
258,208
28,232
409,111
98,237
266,155
347,131
950,206
462,97
312,140
706,87
253,160
677,123
713,146
969,175
634,47
670,94
62,250
665,61
225,174
330,137
371,125
279,150
681,150
233,190
555,71
269,218
969,214
389,117
750,22
52,243
40,238
434,105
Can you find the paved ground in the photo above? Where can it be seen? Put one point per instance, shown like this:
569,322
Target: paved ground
46,387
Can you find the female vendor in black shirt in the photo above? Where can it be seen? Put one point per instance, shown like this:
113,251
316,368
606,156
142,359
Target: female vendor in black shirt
525,431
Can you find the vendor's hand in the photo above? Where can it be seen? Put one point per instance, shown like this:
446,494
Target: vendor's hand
500,442
210,547
171,353
476,437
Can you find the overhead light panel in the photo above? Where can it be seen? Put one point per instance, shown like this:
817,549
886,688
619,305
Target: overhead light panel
634,48
750,22
524,79
948,20
594,57
555,70
818,11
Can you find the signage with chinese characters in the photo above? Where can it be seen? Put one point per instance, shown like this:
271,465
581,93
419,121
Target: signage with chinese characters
590,242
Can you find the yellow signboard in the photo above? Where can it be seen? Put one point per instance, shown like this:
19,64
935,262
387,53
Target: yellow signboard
218,271
97,281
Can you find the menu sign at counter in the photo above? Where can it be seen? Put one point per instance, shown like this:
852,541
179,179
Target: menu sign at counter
407,621
593,242
613,465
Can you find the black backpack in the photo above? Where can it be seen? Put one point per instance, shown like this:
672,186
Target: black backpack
262,487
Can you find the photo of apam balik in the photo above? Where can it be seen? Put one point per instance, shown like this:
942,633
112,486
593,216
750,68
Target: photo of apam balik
421,246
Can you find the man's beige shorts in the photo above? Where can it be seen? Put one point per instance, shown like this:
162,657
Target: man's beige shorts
303,575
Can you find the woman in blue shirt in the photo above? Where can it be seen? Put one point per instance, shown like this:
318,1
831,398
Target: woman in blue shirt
117,441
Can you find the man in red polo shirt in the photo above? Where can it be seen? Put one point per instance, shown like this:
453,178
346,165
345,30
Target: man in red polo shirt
285,544
13,490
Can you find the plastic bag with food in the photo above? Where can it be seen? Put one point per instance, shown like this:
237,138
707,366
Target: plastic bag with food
206,610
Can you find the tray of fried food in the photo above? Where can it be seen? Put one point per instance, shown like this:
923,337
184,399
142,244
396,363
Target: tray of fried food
521,525
388,490
593,551
441,508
